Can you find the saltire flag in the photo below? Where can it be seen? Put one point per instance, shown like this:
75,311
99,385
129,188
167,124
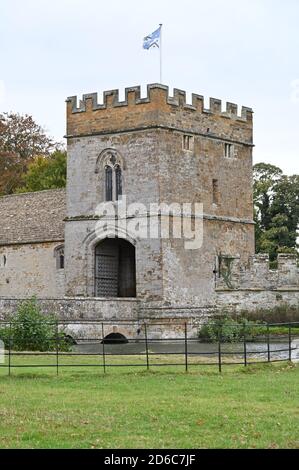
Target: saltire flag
152,40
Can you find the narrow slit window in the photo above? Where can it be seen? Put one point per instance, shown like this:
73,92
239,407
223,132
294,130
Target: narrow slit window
188,142
61,261
118,178
59,254
229,150
108,183
215,191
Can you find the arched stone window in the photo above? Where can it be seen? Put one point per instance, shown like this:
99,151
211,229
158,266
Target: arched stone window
110,164
108,183
118,181
59,255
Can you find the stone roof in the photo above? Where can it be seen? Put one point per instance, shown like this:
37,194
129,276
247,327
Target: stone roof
32,217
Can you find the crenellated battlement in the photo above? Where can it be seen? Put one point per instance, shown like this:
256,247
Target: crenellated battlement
157,108
257,274
133,97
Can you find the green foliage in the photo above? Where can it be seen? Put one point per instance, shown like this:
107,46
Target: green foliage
21,139
265,177
45,173
230,330
276,200
5,335
31,330
233,327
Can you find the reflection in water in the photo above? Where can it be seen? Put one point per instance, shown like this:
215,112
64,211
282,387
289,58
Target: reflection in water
258,350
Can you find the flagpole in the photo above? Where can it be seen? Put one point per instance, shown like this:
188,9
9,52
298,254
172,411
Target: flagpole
161,53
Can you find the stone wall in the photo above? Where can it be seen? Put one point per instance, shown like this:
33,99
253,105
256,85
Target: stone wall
187,175
254,285
256,299
85,191
30,270
79,309
84,317
32,227
256,273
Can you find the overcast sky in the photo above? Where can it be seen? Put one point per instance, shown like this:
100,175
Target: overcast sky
243,51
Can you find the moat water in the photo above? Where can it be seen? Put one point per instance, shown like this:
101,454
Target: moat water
279,350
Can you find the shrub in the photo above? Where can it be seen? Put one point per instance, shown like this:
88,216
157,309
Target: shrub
231,330
31,330
4,335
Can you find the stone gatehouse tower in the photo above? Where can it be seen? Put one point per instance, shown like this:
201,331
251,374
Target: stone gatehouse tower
136,153
156,149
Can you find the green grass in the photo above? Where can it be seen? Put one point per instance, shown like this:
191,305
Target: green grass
281,330
130,407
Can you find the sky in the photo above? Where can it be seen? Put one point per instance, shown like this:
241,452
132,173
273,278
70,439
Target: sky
242,51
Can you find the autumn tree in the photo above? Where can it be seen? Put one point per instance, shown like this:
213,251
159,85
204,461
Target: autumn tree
45,173
21,139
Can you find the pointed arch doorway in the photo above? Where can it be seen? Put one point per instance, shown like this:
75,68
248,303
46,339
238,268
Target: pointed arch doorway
115,268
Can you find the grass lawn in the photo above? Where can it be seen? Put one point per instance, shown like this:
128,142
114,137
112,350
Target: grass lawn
254,407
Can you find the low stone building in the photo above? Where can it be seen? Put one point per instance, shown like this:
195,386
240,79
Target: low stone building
32,244
99,249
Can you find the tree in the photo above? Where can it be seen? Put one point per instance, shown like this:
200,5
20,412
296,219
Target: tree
286,203
45,173
10,172
21,135
276,200
265,177
21,139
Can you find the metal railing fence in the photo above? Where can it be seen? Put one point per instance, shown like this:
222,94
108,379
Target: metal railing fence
153,342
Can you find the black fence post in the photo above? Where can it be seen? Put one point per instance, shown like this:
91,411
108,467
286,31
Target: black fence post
219,349
186,347
146,346
103,343
290,343
245,348
57,348
268,343
9,350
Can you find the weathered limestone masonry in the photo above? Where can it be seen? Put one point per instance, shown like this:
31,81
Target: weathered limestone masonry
32,228
254,285
149,135
156,149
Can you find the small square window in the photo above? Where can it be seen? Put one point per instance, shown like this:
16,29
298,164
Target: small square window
229,150
188,142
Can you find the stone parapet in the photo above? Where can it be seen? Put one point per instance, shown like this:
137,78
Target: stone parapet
157,109
256,274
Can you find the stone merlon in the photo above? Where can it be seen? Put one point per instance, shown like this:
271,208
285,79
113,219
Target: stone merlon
158,109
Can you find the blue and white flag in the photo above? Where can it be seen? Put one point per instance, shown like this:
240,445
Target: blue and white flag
152,40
